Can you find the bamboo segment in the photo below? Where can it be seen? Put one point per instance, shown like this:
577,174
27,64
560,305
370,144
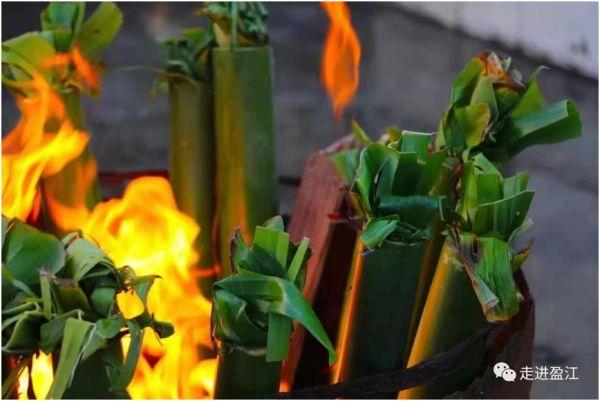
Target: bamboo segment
246,172
240,375
452,313
433,248
75,187
191,165
378,310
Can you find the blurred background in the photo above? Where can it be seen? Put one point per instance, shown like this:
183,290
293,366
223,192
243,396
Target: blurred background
411,52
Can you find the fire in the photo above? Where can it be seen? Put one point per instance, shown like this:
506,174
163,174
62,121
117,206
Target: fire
341,57
41,144
41,377
65,65
143,229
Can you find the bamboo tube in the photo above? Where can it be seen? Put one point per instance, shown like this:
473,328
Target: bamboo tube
433,248
245,142
240,375
450,315
392,187
191,165
378,310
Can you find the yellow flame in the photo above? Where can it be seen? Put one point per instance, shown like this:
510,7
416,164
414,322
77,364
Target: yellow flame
41,377
145,230
341,57
42,374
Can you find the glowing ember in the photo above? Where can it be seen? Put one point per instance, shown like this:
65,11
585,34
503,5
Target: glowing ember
144,230
341,57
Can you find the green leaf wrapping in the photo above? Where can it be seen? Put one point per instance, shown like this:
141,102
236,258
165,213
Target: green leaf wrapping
261,287
395,187
253,309
63,31
392,184
494,209
238,23
187,56
25,250
492,111
267,294
63,20
473,281
99,30
66,306
491,276
74,338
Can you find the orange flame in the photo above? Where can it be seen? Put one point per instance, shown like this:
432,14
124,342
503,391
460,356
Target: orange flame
74,67
341,57
41,144
143,229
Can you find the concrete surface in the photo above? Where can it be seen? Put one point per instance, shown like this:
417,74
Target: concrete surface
408,65
564,32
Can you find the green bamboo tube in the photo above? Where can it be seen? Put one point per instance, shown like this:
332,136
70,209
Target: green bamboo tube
61,186
451,314
433,248
244,376
191,166
245,143
378,310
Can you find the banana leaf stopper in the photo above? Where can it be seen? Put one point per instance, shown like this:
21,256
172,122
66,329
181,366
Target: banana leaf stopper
391,186
60,297
492,211
253,309
187,55
241,23
491,110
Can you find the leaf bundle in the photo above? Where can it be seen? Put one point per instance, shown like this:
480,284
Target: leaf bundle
492,111
492,117
241,23
253,311
64,32
473,281
60,298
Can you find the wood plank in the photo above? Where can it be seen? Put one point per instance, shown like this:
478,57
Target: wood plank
320,196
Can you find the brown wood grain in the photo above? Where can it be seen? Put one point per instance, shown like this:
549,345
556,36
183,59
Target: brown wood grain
321,194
